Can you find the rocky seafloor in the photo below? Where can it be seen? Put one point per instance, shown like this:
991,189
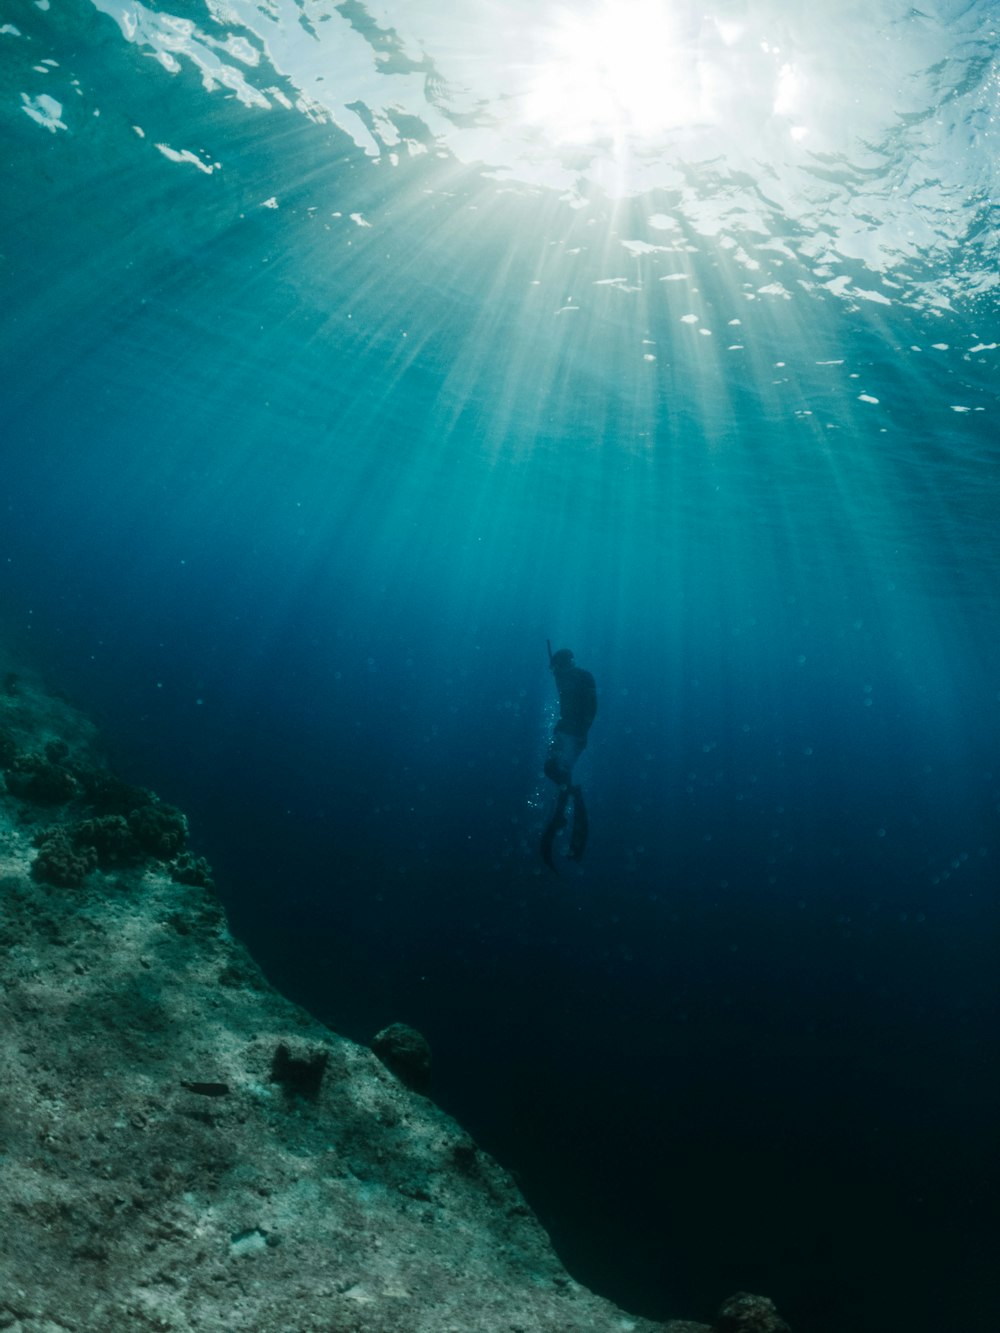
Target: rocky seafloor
181,1148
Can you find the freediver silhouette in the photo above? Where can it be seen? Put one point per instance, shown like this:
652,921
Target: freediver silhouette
577,710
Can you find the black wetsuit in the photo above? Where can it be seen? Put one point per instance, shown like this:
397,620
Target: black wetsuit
577,710
577,701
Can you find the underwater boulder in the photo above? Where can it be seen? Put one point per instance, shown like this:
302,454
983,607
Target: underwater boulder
746,1313
407,1053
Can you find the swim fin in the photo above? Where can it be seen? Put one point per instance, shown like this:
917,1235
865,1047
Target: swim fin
581,826
555,825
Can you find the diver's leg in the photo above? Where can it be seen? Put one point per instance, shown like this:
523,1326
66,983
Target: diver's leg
555,825
558,761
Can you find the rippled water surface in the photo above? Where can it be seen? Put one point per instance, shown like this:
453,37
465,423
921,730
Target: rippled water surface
352,351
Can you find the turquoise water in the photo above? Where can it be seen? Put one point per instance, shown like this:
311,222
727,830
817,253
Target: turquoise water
350,353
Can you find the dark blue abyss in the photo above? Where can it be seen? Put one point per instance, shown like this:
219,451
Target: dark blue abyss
308,449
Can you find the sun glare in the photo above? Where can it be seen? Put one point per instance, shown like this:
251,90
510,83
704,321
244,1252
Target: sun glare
616,72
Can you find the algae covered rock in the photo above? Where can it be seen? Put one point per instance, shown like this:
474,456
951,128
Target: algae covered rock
407,1053
747,1313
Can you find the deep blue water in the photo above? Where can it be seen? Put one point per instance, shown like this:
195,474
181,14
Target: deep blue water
292,501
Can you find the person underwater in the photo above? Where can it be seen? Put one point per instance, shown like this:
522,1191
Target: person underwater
577,710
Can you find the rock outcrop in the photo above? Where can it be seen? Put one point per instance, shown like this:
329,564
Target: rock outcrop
185,1149
181,1148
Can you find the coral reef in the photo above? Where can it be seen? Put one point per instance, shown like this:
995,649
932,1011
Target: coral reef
36,778
105,822
67,852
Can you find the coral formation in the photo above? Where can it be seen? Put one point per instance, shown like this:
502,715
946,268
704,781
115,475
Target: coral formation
155,831
108,795
110,838
36,778
60,861
159,829
106,822
190,869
